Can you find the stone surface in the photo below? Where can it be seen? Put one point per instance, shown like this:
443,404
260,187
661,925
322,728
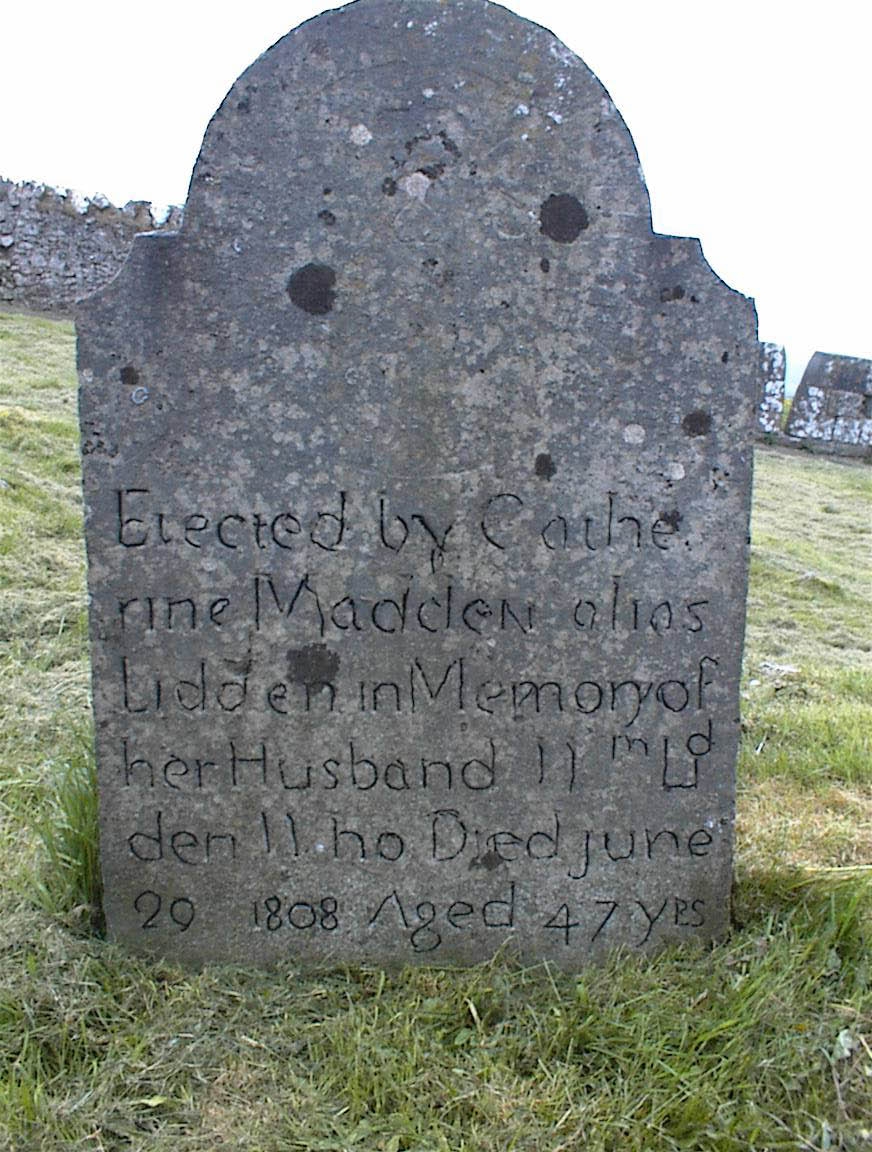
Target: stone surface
417,474
57,246
833,403
770,407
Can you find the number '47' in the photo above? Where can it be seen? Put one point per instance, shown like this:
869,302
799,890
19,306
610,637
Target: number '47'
562,920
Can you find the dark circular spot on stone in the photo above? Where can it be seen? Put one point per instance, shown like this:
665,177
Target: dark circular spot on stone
673,519
129,376
328,191
697,423
313,664
545,466
725,357
389,186
327,216
676,293
563,218
311,288
545,264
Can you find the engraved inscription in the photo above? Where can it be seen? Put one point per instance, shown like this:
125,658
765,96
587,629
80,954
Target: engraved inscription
418,551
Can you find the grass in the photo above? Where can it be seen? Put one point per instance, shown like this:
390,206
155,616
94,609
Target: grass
762,1042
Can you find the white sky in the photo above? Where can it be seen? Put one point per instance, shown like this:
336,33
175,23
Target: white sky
751,118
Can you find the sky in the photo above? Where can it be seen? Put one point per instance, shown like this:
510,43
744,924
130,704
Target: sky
751,120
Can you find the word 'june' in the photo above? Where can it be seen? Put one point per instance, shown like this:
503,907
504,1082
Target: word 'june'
503,522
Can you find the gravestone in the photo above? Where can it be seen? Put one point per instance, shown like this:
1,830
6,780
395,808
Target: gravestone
833,403
417,474
770,408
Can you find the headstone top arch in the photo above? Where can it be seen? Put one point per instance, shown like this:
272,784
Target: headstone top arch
417,473
449,105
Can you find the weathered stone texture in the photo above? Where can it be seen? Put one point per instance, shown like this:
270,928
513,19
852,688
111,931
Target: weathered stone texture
56,247
833,403
770,409
417,473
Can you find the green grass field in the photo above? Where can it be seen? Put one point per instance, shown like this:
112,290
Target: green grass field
762,1042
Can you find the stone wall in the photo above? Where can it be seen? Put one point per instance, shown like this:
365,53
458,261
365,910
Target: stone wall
57,246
